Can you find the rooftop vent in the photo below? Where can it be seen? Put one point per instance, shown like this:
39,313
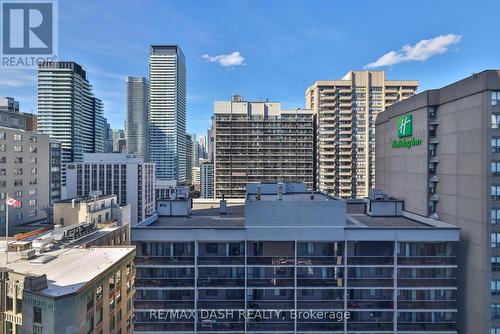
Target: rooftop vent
222,207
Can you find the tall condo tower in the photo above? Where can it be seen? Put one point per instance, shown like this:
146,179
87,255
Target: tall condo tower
137,129
68,111
167,112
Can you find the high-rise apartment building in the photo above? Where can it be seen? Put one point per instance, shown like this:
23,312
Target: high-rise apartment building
167,112
207,180
345,119
67,109
189,160
195,172
310,262
128,177
25,171
439,151
99,125
196,153
137,128
260,142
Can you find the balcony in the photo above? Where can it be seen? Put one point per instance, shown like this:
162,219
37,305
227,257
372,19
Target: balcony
270,282
370,282
369,326
427,304
370,260
426,282
164,282
370,304
221,260
427,326
164,260
320,282
320,260
426,260
271,260
221,282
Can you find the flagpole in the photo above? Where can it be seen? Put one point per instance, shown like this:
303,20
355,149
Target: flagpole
6,229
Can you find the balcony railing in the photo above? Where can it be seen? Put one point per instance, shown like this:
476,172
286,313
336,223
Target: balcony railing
270,282
370,282
369,326
426,282
164,260
369,260
427,326
162,304
221,282
270,260
370,304
427,304
164,282
221,260
426,260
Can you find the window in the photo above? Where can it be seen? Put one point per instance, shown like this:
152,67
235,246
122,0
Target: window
495,287
33,181
495,168
495,98
98,292
495,192
33,160
32,192
33,139
495,239
495,263
32,149
495,144
3,147
37,314
18,148
495,121
18,137
18,183
90,302
495,310
495,330
2,135
32,202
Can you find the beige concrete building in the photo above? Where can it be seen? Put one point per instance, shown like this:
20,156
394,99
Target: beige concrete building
345,118
103,211
440,152
24,175
71,290
260,142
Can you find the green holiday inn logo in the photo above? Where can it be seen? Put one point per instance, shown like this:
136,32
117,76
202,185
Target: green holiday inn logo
405,130
405,126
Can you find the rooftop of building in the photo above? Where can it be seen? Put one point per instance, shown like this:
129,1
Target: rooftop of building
87,199
68,270
207,213
473,84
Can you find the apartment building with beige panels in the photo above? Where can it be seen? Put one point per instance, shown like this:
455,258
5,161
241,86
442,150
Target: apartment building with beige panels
258,141
345,112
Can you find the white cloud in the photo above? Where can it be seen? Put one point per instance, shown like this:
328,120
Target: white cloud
226,60
421,51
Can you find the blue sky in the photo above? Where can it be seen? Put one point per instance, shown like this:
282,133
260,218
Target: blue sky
276,48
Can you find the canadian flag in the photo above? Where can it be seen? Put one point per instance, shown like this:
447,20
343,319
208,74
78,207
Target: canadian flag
12,202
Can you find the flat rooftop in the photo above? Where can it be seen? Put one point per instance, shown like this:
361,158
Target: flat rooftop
70,269
206,214
291,197
85,199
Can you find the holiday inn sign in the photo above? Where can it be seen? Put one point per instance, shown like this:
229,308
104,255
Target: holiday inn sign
405,130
